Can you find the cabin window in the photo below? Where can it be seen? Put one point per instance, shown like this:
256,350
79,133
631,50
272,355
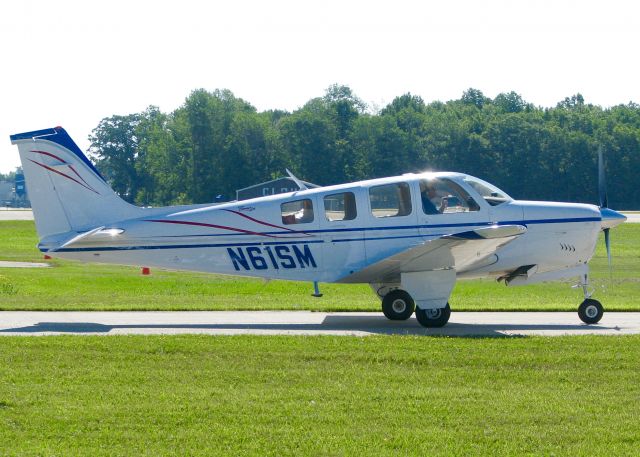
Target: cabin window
441,195
340,207
297,212
390,200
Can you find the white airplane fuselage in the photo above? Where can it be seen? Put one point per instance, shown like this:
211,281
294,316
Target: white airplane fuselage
249,238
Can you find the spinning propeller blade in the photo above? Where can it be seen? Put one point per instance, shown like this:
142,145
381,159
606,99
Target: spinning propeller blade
608,245
610,218
602,184
602,194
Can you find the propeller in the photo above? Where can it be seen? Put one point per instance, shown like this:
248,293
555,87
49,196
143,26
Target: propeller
602,183
604,201
610,218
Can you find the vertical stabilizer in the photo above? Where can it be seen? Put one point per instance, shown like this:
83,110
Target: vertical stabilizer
67,193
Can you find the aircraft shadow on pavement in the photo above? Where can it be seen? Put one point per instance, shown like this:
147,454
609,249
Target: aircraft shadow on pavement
331,324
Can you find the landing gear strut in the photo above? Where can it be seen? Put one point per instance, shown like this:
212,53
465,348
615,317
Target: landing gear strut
590,311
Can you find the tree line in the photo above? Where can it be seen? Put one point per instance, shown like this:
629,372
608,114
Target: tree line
216,143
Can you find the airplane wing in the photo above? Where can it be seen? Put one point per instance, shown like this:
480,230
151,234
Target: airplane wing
457,251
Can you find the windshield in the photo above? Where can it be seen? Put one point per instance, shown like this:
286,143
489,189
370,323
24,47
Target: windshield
489,192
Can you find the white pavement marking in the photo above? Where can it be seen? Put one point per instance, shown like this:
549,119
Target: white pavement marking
9,264
306,323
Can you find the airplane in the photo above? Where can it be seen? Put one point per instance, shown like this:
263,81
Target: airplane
409,237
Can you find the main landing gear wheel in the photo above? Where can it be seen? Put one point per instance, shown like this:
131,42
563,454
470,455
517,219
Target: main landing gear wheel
398,305
433,317
590,311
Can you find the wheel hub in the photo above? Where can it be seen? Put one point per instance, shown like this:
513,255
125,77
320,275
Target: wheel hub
434,313
399,306
591,311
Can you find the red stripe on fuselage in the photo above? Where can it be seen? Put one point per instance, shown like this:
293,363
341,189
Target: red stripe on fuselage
265,223
202,224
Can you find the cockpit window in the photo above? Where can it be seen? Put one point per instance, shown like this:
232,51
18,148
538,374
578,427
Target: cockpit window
489,192
441,195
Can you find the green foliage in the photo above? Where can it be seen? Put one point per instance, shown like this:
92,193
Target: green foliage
10,176
216,143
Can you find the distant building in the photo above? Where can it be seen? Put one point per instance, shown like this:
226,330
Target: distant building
14,193
276,186
20,188
6,193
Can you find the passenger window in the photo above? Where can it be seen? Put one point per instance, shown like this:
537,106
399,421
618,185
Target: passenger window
297,212
390,200
441,195
340,207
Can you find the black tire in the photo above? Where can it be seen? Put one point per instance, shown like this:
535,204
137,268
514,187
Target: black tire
590,311
433,317
398,305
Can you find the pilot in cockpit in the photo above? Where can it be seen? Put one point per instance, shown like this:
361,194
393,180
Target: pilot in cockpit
432,203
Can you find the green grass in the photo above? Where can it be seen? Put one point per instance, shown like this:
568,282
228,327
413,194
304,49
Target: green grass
250,395
76,286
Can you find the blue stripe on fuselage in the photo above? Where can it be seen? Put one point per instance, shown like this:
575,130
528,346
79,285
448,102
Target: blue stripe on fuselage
362,229
409,227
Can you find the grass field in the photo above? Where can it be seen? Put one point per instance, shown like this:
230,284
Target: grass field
248,395
76,286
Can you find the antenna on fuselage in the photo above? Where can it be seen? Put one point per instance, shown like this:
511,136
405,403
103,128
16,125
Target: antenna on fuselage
299,183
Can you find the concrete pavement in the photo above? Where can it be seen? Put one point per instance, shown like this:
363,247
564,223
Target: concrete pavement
9,214
633,217
306,323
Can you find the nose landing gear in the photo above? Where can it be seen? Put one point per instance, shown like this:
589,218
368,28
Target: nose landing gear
590,311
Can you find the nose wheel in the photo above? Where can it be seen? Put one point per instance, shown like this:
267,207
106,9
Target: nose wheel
590,311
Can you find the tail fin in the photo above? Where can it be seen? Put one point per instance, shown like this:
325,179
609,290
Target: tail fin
67,193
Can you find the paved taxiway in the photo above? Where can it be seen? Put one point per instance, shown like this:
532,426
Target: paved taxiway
7,214
306,323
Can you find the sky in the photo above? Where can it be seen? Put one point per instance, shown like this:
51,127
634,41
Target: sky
74,63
